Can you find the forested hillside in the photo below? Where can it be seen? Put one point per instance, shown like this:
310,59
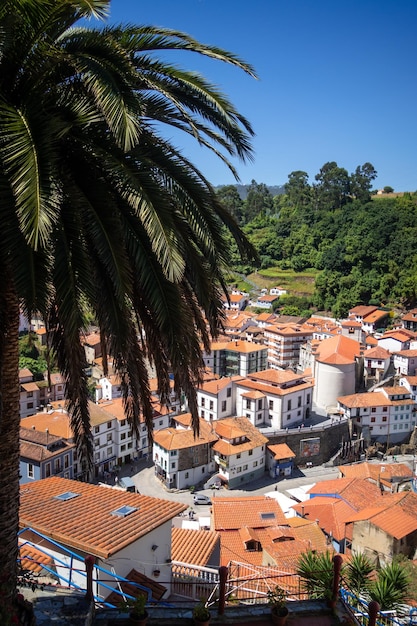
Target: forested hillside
363,245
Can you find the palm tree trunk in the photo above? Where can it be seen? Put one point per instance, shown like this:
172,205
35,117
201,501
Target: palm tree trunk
9,441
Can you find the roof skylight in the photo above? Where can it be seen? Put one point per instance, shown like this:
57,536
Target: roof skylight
267,515
124,510
68,495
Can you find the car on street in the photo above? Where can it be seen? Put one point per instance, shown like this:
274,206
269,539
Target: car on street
201,499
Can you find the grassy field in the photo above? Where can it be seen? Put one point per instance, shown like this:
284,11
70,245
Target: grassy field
296,283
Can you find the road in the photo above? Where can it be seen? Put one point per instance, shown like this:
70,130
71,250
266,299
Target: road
147,484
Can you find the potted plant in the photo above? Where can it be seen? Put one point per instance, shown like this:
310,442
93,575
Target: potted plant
277,600
138,614
201,614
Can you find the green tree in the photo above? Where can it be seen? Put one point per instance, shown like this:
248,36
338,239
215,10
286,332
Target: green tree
101,212
333,185
231,200
298,189
361,181
258,201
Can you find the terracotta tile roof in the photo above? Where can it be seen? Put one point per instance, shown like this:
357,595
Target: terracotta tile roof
376,353
254,394
193,546
244,346
215,386
358,400
252,511
265,317
358,492
374,316
233,427
91,340
362,309
271,389
57,423
25,373
338,350
87,522
281,451
275,377
180,438
386,473
408,354
331,513
32,559
29,386
397,515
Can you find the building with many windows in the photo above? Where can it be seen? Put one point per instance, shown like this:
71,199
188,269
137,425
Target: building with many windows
231,358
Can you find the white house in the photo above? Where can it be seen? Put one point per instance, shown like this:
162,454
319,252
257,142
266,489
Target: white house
216,399
120,530
274,398
239,452
405,362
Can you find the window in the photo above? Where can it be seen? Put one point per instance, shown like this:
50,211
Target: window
123,447
173,453
31,471
211,405
186,475
384,418
238,456
47,470
203,402
308,399
203,414
203,470
289,405
248,404
123,436
211,416
109,451
224,405
29,394
259,404
245,467
229,392
373,410
259,416
299,401
298,413
30,405
271,405
109,424
123,423
109,438
372,419
96,429
250,452
66,461
173,464
160,422
130,444
97,442
255,464
247,416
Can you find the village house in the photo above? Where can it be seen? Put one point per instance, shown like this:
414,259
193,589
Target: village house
376,365
216,399
410,383
353,329
279,460
231,358
396,340
180,459
405,362
387,476
375,321
120,530
92,347
235,324
43,454
409,320
275,399
266,301
283,342
239,451
236,301
386,414
359,312
333,502
385,529
277,291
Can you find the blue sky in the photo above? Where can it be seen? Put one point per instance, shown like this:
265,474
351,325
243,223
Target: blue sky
337,81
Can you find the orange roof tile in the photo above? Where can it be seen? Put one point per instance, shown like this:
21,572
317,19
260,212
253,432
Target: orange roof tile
193,546
56,422
331,514
252,511
358,492
338,350
33,560
180,438
87,522
281,451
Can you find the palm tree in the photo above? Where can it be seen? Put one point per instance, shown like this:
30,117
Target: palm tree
100,213
357,574
390,589
316,572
